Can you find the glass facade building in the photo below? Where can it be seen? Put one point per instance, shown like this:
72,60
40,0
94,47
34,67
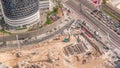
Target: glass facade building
16,12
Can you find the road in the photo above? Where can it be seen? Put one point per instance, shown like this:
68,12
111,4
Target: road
51,35
31,33
43,38
115,38
104,28
111,10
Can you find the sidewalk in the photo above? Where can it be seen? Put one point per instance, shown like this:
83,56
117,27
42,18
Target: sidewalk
40,38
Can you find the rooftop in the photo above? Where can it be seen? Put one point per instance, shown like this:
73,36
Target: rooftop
115,3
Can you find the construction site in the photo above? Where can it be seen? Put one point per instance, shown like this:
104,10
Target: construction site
73,48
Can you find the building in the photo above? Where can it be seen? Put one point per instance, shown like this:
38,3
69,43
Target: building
19,13
44,4
0,10
98,2
115,3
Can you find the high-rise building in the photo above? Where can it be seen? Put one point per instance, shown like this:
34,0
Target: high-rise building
20,12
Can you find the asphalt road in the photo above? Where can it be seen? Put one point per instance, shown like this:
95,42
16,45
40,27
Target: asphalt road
111,10
31,33
40,39
103,28
115,38
51,35
86,3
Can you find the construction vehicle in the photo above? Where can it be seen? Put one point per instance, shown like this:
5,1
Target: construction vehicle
66,40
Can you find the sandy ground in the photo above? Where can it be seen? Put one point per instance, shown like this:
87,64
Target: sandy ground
0,34
54,48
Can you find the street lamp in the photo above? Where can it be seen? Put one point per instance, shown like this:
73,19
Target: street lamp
19,50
